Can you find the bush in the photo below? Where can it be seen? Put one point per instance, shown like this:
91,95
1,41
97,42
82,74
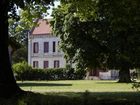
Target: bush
70,74
20,69
80,74
23,71
136,85
55,74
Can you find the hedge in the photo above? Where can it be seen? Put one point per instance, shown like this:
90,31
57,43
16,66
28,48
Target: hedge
24,72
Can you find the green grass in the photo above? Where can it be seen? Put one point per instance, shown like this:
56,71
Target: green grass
76,86
72,98
78,92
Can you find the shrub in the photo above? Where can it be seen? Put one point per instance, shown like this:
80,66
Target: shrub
136,85
70,74
55,74
23,71
80,74
20,69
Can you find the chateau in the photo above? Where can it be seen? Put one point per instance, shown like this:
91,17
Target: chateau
43,50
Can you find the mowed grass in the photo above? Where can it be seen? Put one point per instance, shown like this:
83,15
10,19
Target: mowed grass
76,86
75,92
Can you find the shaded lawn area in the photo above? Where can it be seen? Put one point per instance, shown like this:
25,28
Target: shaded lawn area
82,92
75,98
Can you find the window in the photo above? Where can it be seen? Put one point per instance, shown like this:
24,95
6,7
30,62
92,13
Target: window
58,48
35,64
35,47
46,47
56,64
53,46
46,64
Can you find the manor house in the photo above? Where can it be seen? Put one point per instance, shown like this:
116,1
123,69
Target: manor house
43,50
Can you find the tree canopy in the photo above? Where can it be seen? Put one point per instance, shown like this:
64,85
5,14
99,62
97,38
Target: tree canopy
78,38
109,30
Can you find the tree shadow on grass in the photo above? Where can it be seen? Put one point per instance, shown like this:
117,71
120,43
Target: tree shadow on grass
86,98
75,98
42,84
94,98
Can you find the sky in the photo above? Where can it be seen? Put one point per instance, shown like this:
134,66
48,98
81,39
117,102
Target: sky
56,3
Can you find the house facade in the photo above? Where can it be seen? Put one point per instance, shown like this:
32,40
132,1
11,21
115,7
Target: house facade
43,49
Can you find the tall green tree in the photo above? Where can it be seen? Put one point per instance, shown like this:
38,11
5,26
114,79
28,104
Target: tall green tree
8,84
79,39
123,17
110,30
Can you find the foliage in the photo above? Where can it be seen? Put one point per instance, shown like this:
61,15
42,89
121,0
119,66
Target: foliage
39,6
70,72
23,71
20,29
136,85
26,13
105,34
122,34
80,73
54,74
64,74
123,18
20,68
79,39
19,55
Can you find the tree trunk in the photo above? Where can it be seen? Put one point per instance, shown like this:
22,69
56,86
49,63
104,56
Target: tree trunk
124,75
8,86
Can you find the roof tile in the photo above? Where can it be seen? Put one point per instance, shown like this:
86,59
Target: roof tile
43,28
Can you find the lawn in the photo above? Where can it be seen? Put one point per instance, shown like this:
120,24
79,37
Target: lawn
75,92
76,86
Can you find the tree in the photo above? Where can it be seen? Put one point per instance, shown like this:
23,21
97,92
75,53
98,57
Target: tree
80,39
20,55
8,84
18,32
114,26
123,18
